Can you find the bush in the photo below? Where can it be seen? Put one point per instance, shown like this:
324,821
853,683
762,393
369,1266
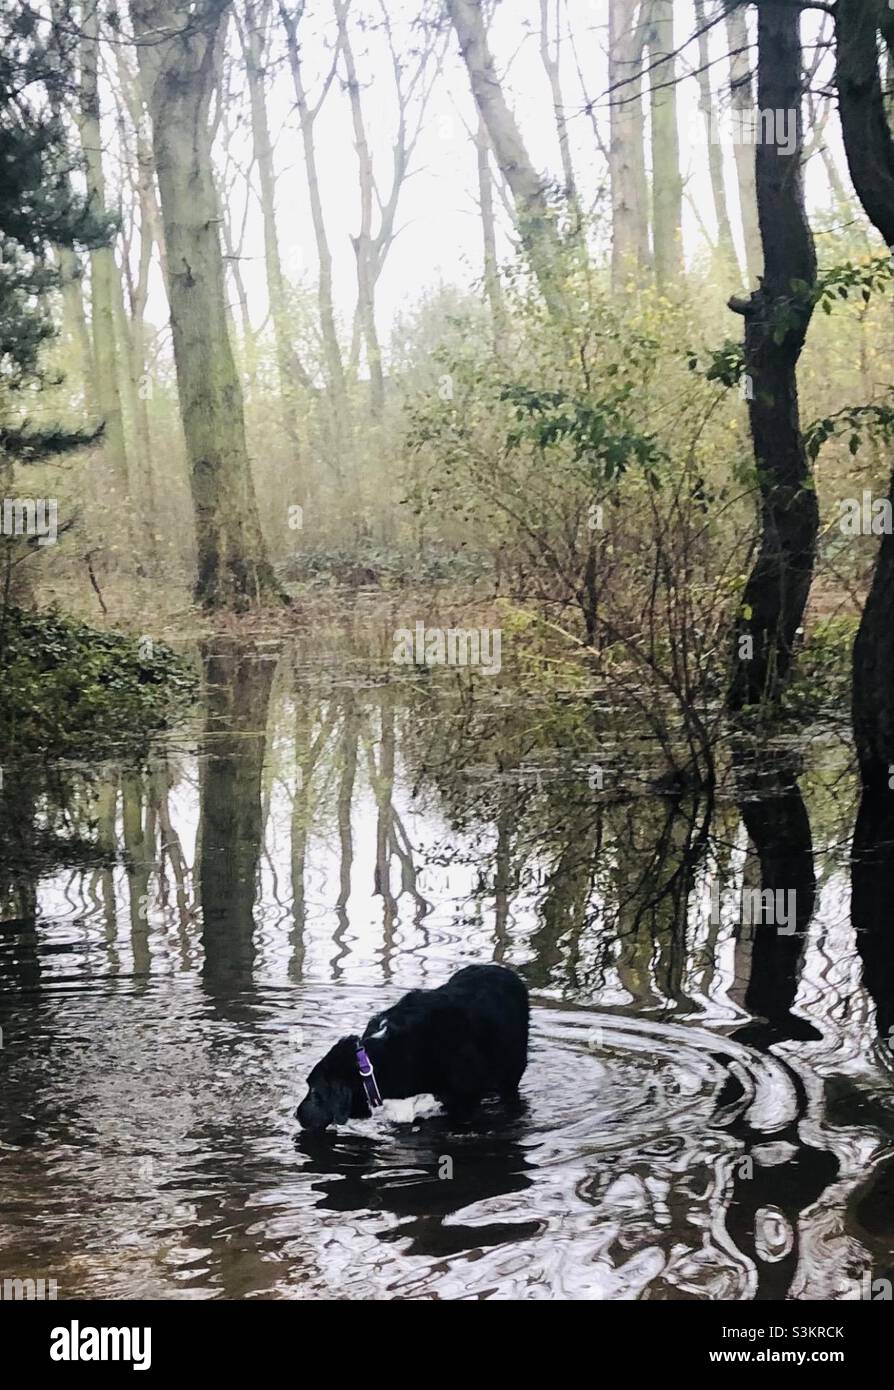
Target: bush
821,683
64,687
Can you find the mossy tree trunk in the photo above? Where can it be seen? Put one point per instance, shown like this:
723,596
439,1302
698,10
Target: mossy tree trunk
179,47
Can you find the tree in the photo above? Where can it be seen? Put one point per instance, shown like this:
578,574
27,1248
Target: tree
743,113
869,148
179,49
550,56
254,35
726,249
366,309
535,217
627,166
75,330
777,315
492,286
39,212
667,186
371,248
307,116
136,143
103,271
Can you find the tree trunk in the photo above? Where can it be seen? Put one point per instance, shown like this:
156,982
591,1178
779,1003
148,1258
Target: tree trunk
728,261
75,333
331,348
776,321
492,287
551,64
667,186
627,167
292,375
131,369
536,221
869,149
177,62
743,113
75,330
151,235
128,385
151,230
819,120
362,242
102,259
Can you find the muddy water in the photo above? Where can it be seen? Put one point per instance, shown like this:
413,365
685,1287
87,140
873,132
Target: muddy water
709,1106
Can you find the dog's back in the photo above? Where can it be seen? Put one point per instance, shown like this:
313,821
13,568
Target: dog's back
494,1004
490,985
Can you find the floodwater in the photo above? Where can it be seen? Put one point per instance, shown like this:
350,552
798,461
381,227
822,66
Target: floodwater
708,1110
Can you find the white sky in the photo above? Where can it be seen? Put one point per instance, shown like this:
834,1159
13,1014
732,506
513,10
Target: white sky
440,236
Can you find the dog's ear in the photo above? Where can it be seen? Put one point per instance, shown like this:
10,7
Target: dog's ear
338,1100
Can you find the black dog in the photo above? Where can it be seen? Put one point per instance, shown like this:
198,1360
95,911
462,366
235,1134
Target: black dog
460,1043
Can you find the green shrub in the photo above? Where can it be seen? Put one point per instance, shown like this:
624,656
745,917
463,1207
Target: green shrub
821,680
65,687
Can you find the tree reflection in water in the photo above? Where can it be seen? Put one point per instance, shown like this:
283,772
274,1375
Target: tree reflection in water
708,1110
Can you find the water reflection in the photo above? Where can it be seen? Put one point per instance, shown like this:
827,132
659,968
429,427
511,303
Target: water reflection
776,821
231,815
709,1108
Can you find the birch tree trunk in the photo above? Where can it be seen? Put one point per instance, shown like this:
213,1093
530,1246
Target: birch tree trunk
177,54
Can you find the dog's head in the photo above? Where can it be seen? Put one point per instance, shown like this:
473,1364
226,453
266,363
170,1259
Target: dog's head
334,1089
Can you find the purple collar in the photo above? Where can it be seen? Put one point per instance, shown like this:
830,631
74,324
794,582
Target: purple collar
368,1077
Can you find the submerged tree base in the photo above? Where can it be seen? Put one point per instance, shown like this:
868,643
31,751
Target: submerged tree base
236,583
66,687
